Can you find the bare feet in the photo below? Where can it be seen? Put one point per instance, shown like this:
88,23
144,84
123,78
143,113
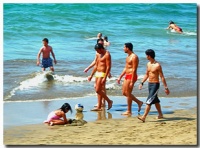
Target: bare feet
96,109
160,117
142,119
103,105
110,105
127,113
139,106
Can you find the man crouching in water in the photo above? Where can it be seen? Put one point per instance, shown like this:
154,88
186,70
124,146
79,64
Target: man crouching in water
101,70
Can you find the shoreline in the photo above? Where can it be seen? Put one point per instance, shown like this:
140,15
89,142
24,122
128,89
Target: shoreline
35,112
178,128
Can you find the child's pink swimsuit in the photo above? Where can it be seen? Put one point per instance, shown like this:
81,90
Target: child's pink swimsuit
52,116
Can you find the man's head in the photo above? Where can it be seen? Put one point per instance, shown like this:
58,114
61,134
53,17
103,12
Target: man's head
151,53
99,47
99,35
128,47
171,22
45,41
100,41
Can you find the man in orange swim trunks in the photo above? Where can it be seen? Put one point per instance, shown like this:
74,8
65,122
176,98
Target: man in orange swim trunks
130,72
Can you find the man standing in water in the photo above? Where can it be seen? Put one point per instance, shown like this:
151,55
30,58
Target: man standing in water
101,70
154,70
46,60
130,72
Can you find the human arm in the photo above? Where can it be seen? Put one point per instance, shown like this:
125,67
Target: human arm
134,65
163,80
93,72
146,76
38,57
64,118
108,67
91,65
122,74
53,55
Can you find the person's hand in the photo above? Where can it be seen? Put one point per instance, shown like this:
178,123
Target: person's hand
118,81
131,85
89,78
38,63
167,91
103,81
109,75
86,70
55,61
140,86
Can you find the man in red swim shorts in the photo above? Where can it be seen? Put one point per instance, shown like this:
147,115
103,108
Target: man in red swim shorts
130,72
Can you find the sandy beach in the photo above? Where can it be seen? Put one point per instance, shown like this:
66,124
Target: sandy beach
179,128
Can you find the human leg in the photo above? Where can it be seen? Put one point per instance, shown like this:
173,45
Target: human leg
99,97
125,92
158,107
99,90
147,109
57,122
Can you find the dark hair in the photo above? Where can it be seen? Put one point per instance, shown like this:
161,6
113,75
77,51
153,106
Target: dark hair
171,22
150,52
46,40
129,46
99,40
65,107
106,38
98,46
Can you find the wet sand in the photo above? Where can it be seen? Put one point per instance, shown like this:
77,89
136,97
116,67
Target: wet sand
178,128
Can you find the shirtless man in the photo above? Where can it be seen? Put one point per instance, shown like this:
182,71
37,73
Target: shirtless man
101,70
154,70
172,25
130,72
100,41
46,60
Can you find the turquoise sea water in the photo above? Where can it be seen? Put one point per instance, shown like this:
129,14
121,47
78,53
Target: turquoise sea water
71,28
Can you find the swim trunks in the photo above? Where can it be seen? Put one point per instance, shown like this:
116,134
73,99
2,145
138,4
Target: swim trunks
153,91
129,77
52,116
179,29
100,74
46,62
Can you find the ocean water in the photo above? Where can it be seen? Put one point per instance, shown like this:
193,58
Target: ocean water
71,29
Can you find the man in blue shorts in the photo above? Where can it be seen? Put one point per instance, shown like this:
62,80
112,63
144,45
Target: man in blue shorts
154,70
46,60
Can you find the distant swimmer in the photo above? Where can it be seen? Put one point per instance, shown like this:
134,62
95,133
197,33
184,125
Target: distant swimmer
172,25
99,35
106,42
46,60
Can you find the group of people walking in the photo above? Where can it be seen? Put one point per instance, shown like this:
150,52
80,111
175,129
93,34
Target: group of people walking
102,64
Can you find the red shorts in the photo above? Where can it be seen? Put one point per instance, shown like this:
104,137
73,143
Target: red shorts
129,77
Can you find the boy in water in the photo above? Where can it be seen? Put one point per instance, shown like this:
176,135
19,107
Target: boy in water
172,25
46,60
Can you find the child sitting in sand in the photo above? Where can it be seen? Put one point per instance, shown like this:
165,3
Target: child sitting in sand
54,118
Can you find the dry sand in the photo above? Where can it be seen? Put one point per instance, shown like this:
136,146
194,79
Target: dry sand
179,128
